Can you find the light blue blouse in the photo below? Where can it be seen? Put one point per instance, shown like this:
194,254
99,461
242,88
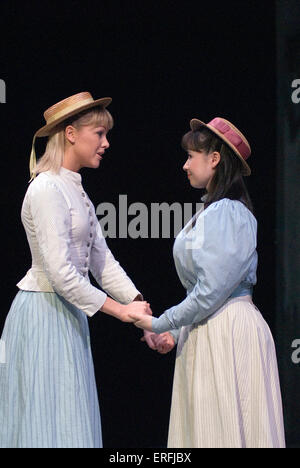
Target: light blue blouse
215,257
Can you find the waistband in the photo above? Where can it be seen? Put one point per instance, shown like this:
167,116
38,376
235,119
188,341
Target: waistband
229,301
232,300
243,289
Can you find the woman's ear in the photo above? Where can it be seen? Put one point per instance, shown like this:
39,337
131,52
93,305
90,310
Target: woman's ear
215,158
70,134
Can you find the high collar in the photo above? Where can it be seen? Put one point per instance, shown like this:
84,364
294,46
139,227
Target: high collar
204,197
70,175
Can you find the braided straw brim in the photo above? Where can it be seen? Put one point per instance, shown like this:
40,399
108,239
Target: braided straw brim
67,108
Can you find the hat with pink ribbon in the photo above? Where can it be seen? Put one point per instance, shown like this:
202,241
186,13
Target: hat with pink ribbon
231,135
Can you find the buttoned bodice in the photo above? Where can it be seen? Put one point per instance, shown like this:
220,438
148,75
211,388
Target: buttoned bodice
66,241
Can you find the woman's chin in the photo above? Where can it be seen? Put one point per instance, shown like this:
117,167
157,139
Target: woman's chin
94,164
195,185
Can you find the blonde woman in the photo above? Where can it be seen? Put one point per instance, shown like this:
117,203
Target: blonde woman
48,396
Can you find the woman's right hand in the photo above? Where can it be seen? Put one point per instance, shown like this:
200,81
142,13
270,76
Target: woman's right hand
122,312
136,308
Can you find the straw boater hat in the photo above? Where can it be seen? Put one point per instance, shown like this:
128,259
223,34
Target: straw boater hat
231,135
63,110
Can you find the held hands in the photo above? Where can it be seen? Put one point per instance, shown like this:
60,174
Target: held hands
135,311
141,318
163,343
140,313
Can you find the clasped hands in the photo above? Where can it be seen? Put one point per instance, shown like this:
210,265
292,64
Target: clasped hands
140,314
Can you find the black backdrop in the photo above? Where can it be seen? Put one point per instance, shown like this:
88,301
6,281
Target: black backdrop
163,63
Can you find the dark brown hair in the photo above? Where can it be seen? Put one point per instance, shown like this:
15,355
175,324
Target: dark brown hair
227,181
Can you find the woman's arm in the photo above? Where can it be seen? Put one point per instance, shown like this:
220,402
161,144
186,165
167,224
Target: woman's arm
108,273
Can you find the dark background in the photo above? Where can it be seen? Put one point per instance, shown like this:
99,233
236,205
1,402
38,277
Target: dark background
162,63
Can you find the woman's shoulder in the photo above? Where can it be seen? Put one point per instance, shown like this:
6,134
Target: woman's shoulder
227,209
45,182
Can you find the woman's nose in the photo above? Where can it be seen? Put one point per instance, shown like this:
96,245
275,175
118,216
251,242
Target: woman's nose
185,167
105,143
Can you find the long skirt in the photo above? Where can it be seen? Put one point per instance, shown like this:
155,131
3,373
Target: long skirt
48,395
226,391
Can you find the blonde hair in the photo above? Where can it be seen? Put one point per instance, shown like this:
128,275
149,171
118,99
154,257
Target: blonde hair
53,157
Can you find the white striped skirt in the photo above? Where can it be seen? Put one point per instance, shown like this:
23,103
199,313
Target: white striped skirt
48,395
226,391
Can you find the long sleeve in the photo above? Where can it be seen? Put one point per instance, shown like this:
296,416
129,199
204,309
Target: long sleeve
221,260
107,271
175,333
52,225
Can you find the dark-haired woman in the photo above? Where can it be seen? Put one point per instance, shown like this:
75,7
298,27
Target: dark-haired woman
226,389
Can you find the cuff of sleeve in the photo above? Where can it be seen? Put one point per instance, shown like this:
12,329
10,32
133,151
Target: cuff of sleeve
131,295
161,324
96,306
175,333
139,296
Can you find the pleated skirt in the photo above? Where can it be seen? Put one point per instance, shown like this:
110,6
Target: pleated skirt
48,395
226,391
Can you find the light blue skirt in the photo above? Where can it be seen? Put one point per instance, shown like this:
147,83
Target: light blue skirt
48,394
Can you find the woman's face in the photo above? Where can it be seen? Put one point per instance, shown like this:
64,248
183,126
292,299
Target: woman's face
200,168
88,145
